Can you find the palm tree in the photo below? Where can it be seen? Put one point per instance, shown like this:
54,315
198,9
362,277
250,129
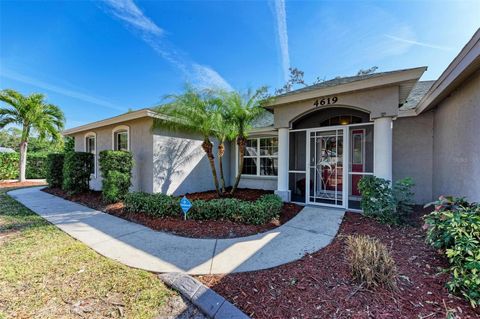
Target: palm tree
224,131
193,111
241,111
34,115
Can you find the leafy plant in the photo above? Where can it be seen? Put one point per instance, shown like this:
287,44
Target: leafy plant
448,203
377,199
76,171
390,205
8,165
370,262
55,169
116,168
159,205
32,113
457,232
403,195
256,212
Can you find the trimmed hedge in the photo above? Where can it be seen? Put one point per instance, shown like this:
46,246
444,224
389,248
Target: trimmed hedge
256,212
55,169
8,165
454,227
116,168
36,165
77,168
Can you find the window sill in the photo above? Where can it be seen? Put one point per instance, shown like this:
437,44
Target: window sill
259,177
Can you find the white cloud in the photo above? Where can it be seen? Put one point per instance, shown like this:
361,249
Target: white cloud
153,35
422,44
12,75
128,11
281,17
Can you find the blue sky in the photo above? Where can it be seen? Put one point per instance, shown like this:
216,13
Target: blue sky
97,59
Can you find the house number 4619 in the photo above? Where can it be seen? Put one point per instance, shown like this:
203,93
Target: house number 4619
325,101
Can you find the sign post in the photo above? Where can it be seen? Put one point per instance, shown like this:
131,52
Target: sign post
185,204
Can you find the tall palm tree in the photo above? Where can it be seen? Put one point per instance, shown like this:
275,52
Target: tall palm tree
193,111
33,115
241,111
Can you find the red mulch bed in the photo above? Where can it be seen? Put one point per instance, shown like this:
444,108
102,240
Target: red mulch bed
20,184
320,286
187,228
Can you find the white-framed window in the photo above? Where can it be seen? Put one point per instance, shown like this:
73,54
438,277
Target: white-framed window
121,138
261,157
91,147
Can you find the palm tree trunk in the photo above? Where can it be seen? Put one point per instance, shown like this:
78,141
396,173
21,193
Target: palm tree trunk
241,142
221,152
23,160
208,148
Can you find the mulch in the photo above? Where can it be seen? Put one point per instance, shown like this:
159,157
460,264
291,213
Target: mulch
320,286
20,184
186,228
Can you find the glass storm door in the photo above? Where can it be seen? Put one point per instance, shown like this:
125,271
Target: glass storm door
326,167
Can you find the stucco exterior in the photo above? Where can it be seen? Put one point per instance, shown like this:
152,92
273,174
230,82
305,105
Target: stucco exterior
141,146
376,102
413,153
180,165
456,142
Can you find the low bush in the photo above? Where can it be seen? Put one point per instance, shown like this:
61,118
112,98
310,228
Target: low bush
77,168
370,262
158,205
36,165
55,169
116,168
256,212
9,165
454,227
389,205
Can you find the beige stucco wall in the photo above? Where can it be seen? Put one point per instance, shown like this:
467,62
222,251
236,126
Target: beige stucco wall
180,165
141,141
377,102
413,153
456,147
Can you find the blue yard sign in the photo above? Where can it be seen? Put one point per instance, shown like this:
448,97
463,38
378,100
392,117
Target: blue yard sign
185,204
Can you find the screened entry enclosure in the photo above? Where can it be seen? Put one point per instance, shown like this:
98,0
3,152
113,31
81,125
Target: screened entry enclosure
327,162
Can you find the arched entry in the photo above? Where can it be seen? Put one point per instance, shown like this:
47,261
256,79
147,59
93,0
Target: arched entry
330,150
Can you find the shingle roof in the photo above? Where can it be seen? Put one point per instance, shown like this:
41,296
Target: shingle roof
419,90
339,81
264,120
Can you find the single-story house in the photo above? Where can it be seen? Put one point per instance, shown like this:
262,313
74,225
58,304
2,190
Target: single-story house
315,143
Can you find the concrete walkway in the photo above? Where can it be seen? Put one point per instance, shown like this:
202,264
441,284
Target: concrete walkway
141,247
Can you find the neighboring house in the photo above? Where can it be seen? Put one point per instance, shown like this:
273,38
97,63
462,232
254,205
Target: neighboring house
319,141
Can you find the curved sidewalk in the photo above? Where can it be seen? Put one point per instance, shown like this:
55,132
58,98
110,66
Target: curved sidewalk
141,247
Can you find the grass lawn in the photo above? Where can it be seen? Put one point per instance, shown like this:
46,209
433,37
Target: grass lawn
46,273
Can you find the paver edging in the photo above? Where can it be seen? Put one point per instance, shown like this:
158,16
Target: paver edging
208,301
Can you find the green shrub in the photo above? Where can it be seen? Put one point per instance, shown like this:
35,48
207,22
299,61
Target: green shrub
457,232
55,169
116,168
403,195
77,169
36,165
257,212
390,205
9,165
377,199
158,205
